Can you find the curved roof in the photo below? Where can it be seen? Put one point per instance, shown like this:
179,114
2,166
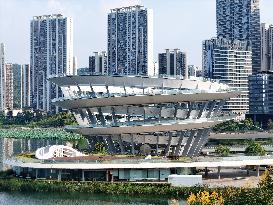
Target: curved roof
132,81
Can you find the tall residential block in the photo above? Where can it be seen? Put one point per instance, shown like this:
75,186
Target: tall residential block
229,62
8,92
16,70
98,63
25,86
173,63
240,20
51,47
130,41
266,47
2,77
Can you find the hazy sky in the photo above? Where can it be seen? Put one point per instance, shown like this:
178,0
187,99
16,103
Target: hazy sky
179,24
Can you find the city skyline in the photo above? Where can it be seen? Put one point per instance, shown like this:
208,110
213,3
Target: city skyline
87,39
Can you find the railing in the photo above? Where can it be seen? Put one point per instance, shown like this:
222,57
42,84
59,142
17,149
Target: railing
140,161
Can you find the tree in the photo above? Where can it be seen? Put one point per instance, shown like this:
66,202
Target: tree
265,180
270,124
222,150
255,149
100,148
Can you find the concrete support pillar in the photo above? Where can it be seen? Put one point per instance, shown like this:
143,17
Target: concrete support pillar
219,175
121,144
83,177
257,170
178,147
219,107
59,175
206,172
157,142
211,109
133,144
189,143
36,173
204,107
169,144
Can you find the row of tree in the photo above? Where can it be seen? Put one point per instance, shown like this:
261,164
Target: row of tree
253,149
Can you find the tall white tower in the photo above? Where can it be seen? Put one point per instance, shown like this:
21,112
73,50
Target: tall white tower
2,77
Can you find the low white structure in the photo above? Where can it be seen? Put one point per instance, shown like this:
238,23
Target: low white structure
53,151
185,180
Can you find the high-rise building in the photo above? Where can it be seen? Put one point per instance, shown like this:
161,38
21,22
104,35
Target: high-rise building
51,47
240,20
25,86
130,41
173,63
261,98
266,47
8,92
194,71
229,62
16,70
2,77
98,63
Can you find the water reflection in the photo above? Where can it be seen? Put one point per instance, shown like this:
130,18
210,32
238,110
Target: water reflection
18,198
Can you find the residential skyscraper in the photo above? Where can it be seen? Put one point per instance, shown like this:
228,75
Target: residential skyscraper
240,20
8,92
51,47
16,70
98,63
130,41
173,63
229,62
2,77
266,47
25,86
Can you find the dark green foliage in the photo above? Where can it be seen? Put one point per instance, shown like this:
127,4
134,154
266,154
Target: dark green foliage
233,126
222,150
39,133
37,119
255,149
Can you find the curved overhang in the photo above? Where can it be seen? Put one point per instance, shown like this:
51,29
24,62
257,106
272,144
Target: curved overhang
132,81
149,128
142,99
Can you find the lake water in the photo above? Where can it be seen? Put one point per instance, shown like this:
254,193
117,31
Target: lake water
18,198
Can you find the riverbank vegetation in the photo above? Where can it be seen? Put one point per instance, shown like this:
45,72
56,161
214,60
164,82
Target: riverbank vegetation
199,195
37,119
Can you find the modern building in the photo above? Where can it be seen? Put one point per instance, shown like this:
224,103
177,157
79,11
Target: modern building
8,92
229,62
130,41
266,47
75,65
165,117
51,53
261,98
2,77
195,71
17,83
98,63
173,63
240,20
25,86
